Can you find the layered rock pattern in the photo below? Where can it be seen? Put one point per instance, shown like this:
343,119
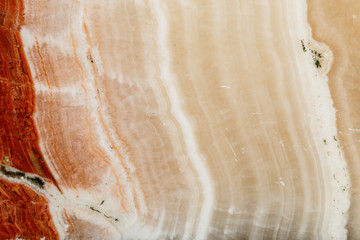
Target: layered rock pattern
23,212
339,28
185,119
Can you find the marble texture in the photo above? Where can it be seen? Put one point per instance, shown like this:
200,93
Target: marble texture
185,119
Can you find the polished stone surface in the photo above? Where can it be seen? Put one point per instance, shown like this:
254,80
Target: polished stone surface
186,119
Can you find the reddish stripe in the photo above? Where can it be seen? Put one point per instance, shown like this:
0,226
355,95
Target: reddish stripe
23,213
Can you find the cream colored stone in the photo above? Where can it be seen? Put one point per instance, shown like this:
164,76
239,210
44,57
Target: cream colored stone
189,119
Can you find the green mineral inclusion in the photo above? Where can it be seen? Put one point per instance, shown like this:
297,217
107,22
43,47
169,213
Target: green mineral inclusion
316,55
